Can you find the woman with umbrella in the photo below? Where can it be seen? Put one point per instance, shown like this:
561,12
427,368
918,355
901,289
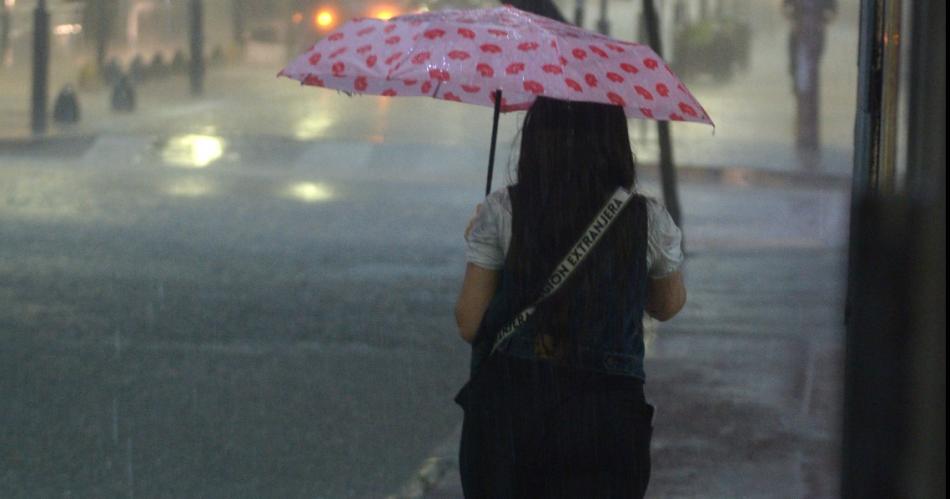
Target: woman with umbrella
558,410
563,264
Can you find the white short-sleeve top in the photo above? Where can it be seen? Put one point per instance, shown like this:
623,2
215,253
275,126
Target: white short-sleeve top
490,236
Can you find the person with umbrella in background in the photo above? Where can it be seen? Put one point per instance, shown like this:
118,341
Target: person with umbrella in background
806,43
563,264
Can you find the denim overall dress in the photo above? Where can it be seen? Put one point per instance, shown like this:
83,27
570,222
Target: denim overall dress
534,428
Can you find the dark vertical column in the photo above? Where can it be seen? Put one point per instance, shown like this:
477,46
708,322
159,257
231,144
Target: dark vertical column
867,122
103,31
196,39
894,427
927,102
667,170
239,21
876,348
923,468
603,24
38,122
5,27
579,13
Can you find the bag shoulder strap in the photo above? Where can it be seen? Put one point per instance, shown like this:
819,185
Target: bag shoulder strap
605,217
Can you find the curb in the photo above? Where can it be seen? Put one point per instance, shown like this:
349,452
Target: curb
433,469
57,145
75,145
748,176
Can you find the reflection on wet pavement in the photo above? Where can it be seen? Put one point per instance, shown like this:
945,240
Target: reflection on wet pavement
193,150
310,192
190,187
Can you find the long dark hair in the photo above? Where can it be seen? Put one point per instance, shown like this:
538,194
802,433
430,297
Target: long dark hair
573,156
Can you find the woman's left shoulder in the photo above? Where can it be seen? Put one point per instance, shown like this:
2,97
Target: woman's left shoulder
655,208
499,200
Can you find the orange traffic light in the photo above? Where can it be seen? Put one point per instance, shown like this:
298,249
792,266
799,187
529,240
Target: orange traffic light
324,19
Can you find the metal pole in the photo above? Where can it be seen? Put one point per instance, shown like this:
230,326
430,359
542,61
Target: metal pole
667,170
867,119
603,25
103,32
38,122
867,125
197,72
890,96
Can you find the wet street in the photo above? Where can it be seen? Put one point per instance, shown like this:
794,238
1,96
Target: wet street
272,329
223,335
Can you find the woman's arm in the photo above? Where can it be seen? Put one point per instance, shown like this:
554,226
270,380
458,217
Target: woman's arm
666,296
478,287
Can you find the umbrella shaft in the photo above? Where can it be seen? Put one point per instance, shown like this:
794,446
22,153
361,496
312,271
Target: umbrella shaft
494,139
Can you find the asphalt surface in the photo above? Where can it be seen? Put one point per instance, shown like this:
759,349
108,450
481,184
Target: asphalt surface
244,344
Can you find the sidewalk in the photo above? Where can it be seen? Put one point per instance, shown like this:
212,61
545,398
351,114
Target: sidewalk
746,380
156,100
249,100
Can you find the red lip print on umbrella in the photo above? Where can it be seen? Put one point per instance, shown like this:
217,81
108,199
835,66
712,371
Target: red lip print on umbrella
500,57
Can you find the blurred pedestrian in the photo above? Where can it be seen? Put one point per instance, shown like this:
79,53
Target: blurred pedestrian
806,43
558,410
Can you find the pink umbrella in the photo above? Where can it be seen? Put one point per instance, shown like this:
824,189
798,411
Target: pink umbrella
477,56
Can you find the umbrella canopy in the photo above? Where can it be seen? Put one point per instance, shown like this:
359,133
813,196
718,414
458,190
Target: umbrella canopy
469,55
